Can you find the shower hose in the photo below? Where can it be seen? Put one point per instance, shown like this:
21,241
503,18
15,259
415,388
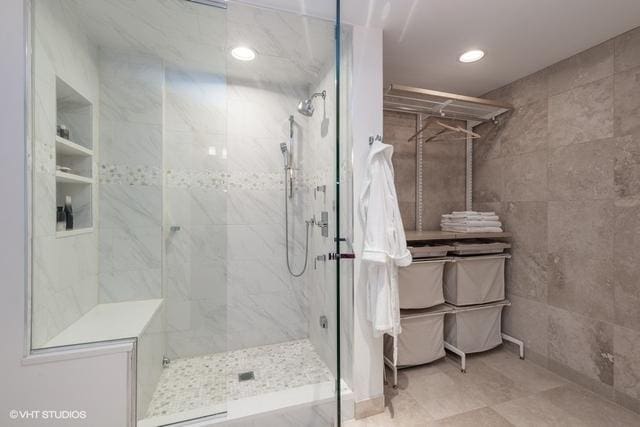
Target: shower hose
286,232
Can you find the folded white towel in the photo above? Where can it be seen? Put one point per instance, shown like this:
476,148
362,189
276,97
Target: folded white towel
470,218
472,213
473,229
471,224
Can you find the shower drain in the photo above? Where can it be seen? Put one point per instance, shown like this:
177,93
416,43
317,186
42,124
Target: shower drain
246,376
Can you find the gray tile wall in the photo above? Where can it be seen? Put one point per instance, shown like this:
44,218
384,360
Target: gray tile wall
563,171
398,127
442,172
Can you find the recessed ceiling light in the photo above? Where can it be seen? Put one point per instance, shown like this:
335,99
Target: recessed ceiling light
471,56
243,53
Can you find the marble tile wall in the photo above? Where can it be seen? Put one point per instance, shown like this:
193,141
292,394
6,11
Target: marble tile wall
320,152
227,283
131,114
562,171
65,270
196,255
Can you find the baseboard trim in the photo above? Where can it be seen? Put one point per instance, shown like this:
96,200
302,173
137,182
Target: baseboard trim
369,407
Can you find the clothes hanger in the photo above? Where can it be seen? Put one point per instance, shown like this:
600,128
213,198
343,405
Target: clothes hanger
446,130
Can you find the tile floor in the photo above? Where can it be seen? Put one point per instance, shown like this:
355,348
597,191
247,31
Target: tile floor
204,381
498,390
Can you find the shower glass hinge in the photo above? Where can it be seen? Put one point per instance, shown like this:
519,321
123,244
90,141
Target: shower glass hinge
165,361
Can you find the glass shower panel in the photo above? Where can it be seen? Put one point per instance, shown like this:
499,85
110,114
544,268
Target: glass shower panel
203,194
129,116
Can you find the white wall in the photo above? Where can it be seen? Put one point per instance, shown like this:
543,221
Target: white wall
366,118
97,385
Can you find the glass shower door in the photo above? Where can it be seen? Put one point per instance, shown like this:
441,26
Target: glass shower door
198,143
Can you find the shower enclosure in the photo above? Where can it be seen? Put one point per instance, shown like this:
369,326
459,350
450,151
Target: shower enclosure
185,157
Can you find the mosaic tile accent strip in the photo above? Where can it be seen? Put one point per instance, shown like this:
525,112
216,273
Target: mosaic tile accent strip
225,181
130,175
201,179
203,381
45,157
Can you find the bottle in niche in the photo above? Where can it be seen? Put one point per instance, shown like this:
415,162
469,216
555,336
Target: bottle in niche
68,212
61,219
63,131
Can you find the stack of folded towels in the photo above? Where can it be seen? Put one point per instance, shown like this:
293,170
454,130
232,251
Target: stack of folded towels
471,222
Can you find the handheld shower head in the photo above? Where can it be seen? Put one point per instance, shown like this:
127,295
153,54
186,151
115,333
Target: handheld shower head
285,154
306,108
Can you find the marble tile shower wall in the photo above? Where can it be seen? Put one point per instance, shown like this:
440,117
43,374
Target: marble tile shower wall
196,273
227,283
320,155
131,114
266,304
564,174
65,270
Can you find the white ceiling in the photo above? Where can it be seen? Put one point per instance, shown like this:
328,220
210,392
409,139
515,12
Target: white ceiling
291,49
423,38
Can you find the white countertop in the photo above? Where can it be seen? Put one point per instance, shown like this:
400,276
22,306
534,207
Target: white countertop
108,322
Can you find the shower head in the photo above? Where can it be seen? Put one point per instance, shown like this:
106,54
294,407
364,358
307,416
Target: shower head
306,108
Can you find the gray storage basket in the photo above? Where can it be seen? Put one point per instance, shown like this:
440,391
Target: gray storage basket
475,329
429,251
476,247
422,338
474,279
420,284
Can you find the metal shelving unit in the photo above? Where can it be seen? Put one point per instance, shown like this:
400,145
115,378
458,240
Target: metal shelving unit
425,103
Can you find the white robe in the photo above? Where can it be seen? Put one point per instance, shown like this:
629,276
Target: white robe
385,245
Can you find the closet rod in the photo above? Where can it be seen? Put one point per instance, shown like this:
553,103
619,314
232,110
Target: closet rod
446,128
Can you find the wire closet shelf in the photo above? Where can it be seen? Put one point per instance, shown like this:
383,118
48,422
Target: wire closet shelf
441,104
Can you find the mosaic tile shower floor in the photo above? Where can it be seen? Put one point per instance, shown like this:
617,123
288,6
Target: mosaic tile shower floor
203,381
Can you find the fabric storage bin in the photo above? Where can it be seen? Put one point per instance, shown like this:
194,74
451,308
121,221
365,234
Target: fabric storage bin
475,329
429,251
420,284
478,247
422,337
474,279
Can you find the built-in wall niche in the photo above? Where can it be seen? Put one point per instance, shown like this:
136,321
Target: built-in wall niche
74,157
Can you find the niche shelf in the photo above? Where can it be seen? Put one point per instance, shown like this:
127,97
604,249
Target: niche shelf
75,155
69,178
64,147
74,232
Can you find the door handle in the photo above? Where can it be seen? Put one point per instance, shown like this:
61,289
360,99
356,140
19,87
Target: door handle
344,255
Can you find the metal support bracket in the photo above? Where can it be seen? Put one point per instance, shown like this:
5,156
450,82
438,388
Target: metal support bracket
462,354
515,341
